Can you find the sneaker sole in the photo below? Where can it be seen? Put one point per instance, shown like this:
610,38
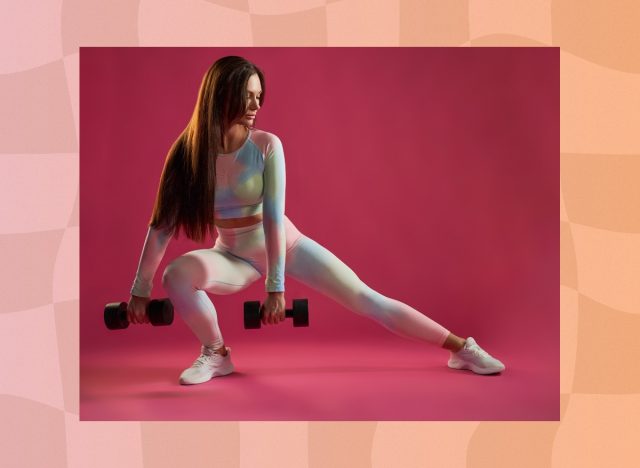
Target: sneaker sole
476,369
215,374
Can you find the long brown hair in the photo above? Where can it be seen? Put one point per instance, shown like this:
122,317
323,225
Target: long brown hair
186,193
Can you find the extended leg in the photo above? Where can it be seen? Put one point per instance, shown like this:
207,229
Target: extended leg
318,268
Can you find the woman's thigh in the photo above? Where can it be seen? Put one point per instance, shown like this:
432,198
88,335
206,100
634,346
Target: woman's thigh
317,267
213,270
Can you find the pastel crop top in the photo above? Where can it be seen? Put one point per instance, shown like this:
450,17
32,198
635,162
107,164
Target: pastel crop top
249,181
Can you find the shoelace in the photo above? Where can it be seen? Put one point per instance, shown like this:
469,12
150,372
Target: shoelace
204,360
478,351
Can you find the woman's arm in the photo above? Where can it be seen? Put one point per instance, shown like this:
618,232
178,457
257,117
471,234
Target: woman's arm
273,214
153,250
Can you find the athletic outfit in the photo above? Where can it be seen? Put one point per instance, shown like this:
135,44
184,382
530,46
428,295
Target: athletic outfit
249,181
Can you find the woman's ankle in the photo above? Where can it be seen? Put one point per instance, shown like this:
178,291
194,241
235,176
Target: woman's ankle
222,350
454,343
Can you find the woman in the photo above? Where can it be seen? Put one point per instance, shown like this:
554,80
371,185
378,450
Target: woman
224,173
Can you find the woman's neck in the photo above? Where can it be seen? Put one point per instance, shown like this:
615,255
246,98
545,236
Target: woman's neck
234,137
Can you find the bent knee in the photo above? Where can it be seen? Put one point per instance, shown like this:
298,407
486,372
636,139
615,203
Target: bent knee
182,271
171,275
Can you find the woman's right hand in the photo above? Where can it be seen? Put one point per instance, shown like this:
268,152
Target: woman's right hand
137,309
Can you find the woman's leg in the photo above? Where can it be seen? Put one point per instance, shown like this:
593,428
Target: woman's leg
187,277
318,268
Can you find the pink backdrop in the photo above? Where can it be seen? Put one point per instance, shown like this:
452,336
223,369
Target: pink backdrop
433,173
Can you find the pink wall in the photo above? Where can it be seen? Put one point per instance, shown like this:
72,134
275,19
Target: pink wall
433,173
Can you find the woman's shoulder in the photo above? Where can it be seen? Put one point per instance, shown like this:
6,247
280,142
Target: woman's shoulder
264,139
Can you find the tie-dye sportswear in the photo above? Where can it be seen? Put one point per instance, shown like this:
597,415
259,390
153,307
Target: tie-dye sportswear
252,180
249,181
272,247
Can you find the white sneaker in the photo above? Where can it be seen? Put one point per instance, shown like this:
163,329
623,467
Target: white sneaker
208,365
473,357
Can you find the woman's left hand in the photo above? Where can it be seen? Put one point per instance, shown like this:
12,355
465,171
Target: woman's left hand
272,311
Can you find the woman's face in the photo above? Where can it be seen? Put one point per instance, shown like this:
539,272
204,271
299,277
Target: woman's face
253,93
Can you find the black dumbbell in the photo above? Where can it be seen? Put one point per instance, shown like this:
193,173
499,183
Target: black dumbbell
299,313
160,312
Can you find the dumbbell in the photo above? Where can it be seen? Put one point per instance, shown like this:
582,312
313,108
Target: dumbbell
160,312
299,313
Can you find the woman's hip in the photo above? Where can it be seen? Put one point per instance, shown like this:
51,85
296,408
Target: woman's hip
249,242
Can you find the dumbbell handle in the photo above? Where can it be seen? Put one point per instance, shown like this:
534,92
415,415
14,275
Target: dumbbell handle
288,313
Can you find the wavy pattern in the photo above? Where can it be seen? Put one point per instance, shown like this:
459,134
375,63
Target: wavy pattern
600,247
604,33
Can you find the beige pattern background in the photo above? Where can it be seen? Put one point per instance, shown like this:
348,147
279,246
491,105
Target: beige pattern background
599,235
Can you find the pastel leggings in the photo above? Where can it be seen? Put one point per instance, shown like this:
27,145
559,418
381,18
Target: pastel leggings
238,258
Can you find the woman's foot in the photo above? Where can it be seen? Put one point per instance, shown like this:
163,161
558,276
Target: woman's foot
473,357
209,364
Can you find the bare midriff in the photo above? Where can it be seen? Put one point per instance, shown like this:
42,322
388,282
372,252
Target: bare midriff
238,222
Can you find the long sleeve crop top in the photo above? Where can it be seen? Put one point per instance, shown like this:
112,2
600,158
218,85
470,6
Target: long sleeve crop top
249,181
